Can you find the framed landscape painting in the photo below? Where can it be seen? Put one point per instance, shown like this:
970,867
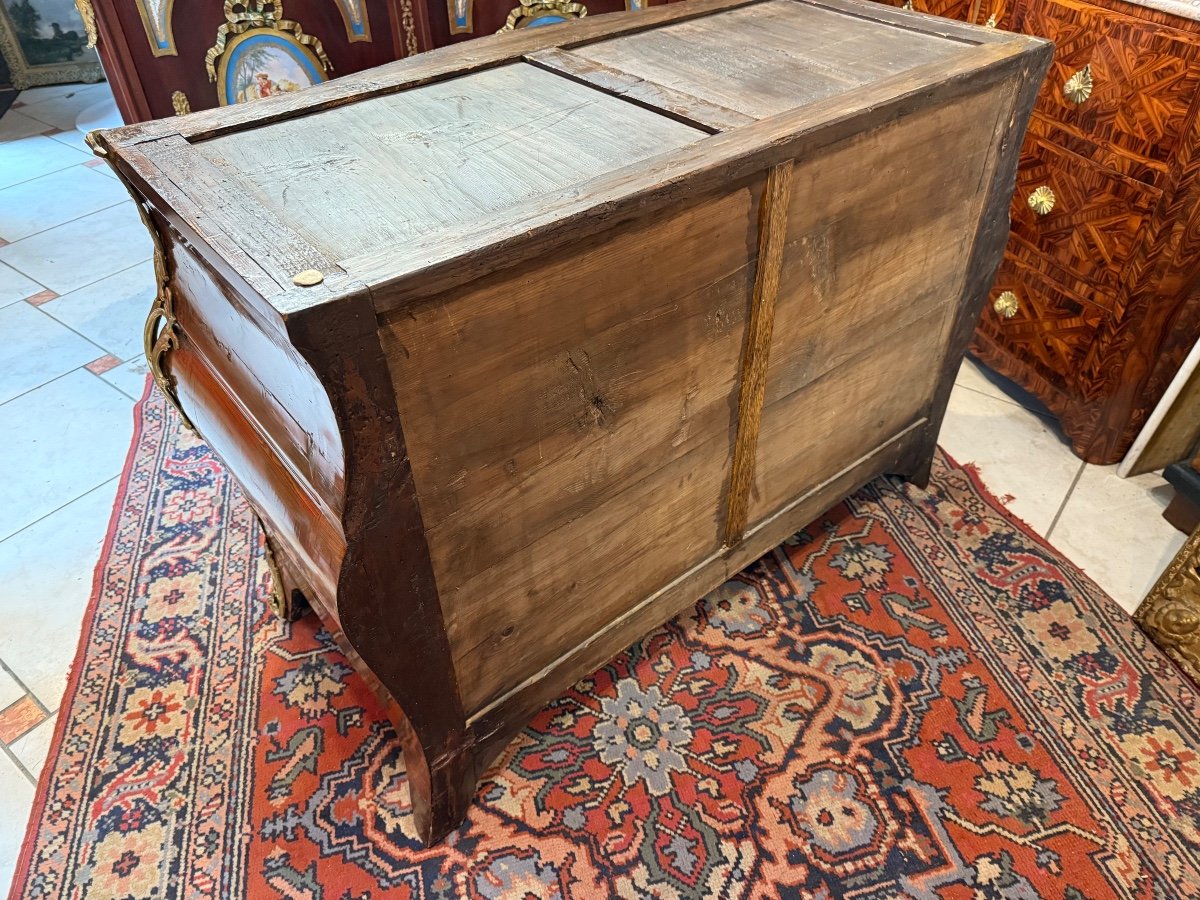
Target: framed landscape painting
45,42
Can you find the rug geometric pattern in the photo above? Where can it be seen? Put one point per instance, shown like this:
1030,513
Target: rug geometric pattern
913,697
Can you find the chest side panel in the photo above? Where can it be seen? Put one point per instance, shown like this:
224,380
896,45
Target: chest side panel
878,243
569,424
768,58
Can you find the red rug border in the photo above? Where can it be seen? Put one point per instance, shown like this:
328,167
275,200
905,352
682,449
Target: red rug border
41,795
42,791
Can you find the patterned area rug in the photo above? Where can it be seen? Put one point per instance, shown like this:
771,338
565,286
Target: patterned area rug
914,697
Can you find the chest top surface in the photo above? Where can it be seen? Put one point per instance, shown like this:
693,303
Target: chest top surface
393,171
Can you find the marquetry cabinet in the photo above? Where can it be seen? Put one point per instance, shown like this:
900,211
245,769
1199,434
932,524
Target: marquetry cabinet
1097,301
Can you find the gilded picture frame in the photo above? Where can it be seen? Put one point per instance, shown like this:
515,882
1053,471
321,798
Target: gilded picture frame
282,65
45,42
259,54
536,13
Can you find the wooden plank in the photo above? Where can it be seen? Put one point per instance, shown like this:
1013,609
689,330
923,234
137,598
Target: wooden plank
432,265
515,618
412,71
347,179
769,58
547,433
808,434
772,234
235,218
676,104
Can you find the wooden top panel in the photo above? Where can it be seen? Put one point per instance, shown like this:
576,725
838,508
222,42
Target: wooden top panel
771,57
423,174
360,177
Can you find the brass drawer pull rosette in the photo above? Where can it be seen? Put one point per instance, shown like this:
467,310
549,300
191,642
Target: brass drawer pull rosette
1041,201
1007,304
1079,86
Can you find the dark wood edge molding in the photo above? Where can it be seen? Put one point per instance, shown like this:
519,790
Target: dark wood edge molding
772,237
990,239
395,622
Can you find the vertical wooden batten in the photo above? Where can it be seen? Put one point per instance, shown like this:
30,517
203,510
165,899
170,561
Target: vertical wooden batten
772,235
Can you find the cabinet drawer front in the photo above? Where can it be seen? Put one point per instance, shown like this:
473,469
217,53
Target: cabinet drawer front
1143,80
1049,330
1086,223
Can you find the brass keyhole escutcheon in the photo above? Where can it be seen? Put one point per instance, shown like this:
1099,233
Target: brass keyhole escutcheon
1041,201
1007,304
1079,86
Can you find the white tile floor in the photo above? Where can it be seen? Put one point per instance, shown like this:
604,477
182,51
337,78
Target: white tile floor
75,284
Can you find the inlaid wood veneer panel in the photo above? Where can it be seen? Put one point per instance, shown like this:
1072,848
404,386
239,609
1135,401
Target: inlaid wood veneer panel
552,407
370,174
771,57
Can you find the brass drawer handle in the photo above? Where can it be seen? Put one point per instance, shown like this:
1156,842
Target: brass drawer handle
1007,304
1079,86
1041,201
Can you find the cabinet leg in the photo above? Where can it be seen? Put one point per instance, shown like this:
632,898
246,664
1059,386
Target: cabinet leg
441,785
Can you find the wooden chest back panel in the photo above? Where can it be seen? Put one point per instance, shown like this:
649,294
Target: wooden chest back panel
529,416
811,435
768,58
863,305
850,275
377,173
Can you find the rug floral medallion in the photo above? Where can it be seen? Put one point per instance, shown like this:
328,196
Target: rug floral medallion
913,697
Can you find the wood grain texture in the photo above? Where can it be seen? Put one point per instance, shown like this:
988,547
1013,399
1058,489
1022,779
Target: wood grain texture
1121,166
424,267
484,143
849,274
1087,239
565,419
1108,280
1146,77
772,235
768,58
680,106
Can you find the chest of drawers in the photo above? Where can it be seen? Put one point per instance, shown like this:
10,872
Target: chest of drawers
519,348
1097,301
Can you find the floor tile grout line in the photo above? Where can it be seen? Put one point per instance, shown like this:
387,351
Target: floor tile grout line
28,691
124,199
59,296
73,331
52,171
16,761
1066,498
83,368
91,490
1008,400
